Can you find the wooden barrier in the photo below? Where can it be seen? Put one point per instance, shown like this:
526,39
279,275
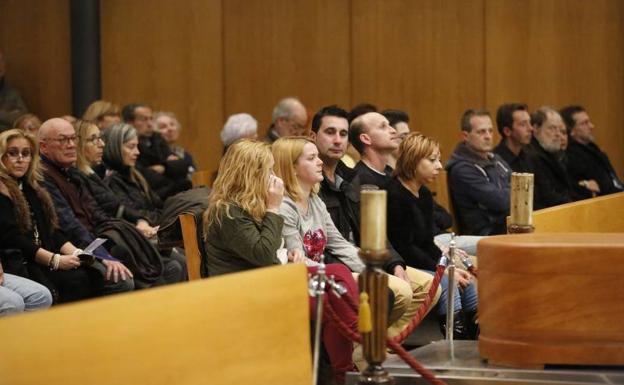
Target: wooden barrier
601,215
245,328
551,299
191,245
202,178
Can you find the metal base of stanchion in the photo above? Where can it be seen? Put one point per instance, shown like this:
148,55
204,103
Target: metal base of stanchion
469,369
375,374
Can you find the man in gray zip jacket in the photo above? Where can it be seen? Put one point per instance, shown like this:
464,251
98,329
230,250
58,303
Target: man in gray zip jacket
478,178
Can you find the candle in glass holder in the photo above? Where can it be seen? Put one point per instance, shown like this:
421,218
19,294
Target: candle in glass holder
521,199
373,219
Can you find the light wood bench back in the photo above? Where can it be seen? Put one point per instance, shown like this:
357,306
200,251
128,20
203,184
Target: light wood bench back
202,178
191,245
245,328
598,215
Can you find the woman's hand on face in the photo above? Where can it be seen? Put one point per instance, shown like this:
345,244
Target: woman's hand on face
68,262
275,194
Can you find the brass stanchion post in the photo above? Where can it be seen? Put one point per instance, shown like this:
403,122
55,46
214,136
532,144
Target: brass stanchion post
374,281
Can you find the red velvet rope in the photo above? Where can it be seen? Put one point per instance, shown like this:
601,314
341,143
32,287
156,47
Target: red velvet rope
346,331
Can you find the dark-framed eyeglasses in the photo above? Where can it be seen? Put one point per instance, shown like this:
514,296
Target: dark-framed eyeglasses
64,140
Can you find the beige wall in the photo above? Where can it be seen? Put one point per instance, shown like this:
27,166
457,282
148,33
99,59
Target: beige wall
208,59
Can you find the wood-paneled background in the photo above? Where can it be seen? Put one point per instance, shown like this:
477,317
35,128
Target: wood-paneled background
206,59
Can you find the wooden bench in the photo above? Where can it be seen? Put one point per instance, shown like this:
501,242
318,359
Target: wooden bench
202,178
245,328
191,245
600,215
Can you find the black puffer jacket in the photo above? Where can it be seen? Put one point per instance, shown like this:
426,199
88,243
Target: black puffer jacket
131,194
106,198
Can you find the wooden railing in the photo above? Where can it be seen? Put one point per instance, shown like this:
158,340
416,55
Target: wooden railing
244,328
598,215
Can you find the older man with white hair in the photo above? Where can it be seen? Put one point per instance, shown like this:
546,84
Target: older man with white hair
238,126
290,118
552,186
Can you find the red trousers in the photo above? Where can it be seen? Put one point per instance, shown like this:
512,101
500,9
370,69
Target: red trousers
338,347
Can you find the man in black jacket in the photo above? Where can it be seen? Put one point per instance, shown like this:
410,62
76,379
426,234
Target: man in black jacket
340,191
552,186
165,172
514,125
586,161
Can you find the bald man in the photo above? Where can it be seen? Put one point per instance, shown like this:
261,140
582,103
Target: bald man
290,118
77,211
375,139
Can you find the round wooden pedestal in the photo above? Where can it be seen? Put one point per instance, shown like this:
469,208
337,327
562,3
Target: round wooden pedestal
552,299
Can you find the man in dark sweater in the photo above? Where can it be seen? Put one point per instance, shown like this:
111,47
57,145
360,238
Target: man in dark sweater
585,160
165,172
514,125
552,186
375,139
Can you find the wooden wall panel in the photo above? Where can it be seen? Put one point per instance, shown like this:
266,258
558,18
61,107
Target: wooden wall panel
560,52
279,48
421,56
169,56
35,39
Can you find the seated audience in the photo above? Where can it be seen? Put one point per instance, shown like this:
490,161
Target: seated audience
90,149
11,104
551,184
169,128
514,126
78,213
586,162
289,118
479,180
29,224
236,127
243,230
18,294
128,184
28,123
399,121
410,219
165,172
308,227
102,113
340,191
442,219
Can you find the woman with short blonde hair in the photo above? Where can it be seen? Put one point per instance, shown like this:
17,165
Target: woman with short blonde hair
410,227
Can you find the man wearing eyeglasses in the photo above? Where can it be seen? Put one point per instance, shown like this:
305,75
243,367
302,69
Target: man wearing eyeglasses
165,172
290,118
77,211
